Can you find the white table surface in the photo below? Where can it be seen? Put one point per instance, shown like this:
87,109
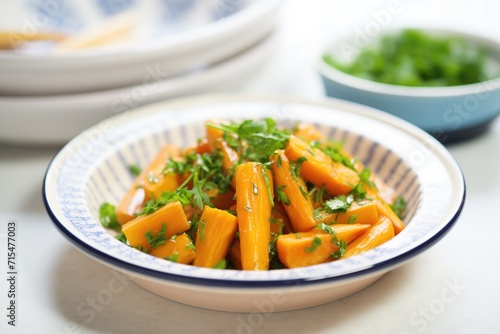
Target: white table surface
451,288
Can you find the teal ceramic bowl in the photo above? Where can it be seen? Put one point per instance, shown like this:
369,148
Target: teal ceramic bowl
448,113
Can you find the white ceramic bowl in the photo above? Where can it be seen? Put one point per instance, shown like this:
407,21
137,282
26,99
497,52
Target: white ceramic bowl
170,38
55,119
93,168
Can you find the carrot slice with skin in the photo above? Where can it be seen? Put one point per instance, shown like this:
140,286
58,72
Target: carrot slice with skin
308,132
253,207
234,254
299,206
157,181
223,201
171,216
230,157
358,212
278,212
216,230
319,169
374,236
179,249
151,182
315,246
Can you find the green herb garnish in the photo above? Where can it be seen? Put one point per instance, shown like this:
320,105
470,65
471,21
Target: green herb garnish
315,244
134,170
107,216
158,239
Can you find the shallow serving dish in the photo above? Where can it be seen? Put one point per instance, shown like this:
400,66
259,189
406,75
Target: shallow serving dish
167,39
448,113
55,119
93,168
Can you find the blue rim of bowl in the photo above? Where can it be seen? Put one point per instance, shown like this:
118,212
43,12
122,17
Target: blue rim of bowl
379,267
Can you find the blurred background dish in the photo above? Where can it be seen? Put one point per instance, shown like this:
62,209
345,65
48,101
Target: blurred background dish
109,44
448,109
54,119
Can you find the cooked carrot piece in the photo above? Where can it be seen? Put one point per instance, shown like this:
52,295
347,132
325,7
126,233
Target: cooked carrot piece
319,169
223,201
298,204
230,157
165,222
212,133
276,226
278,212
315,246
157,181
372,237
216,230
131,203
359,212
234,254
381,193
308,132
253,207
178,249
150,183
202,146
384,209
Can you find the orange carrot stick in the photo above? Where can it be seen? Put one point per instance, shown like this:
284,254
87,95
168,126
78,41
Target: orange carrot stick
253,207
308,132
358,212
298,206
315,246
372,237
234,254
319,169
165,222
150,182
179,249
216,230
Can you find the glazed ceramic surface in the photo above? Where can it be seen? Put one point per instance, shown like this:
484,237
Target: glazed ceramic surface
448,113
93,169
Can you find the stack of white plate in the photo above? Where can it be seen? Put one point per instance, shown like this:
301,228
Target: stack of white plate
111,56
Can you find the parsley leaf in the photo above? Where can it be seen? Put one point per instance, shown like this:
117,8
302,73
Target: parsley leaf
315,244
121,237
262,137
160,237
281,196
339,204
399,206
107,216
134,170
174,257
222,264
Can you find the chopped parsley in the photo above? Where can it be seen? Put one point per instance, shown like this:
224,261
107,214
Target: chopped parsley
399,206
134,170
222,264
202,230
268,185
342,245
315,244
339,204
121,236
262,137
295,167
174,257
160,237
281,196
107,216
